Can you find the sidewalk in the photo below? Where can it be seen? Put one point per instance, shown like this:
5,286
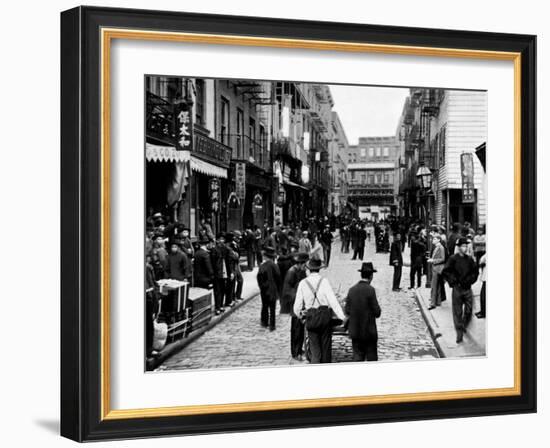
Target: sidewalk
250,290
440,324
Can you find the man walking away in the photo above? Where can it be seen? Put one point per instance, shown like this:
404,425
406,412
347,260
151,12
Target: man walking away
396,260
438,263
326,241
315,292
360,244
292,279
418,250
269,279
362,309
461,273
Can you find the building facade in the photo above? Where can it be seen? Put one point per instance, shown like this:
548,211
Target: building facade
373,176
338,150
441,130
238,153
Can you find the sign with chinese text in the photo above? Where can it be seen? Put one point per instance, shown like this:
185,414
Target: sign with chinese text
240,180
215,194
467,170
184,126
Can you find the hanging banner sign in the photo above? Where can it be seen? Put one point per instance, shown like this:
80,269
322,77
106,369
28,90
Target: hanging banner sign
215,194
184,126
467,170
240,180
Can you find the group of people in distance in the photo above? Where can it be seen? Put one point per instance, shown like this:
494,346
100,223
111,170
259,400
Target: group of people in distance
315,308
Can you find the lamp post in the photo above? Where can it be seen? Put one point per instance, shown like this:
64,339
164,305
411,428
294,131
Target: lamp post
424,175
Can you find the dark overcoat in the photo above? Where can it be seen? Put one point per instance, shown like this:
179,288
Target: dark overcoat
362,308
204,272
269,280
290,285
396,254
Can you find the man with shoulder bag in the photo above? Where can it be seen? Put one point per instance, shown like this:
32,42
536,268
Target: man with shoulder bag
316,303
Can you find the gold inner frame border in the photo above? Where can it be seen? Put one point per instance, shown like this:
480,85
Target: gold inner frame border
107,35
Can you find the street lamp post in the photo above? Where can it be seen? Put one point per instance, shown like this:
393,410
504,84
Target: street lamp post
424,175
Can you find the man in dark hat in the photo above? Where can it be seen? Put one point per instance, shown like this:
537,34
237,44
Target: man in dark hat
293,277
461,273
232,260
361,236
363,309
204,272
418,250
326,242
219,256
396,260
239,281
269,281
315,291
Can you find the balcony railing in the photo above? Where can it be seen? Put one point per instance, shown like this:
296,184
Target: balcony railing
246,149
211,149
160,119
283,146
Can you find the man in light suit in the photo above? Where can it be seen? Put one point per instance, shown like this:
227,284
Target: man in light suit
438,263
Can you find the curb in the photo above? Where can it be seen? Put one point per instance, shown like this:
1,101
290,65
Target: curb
430,323
176,346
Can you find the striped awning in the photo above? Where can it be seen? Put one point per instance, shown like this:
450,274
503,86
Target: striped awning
201,166
158,153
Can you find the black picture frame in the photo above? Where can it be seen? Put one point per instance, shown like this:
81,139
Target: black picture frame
81,209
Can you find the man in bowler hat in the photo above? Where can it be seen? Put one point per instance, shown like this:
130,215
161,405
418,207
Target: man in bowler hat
290,285
396,260
362,309
269,280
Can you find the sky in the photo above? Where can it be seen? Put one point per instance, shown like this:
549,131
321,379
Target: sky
368,111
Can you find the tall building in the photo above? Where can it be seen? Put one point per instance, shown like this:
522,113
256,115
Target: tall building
338,151
373,177
440,131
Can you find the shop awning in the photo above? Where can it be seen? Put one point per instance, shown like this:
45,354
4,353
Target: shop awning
201,166
158,153
293,184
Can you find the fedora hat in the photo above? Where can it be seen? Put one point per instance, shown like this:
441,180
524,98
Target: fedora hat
314,264
367,267
462,241
203,239
301,257
269,251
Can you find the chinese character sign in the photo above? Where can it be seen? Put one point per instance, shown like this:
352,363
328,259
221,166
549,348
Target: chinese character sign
240,180
215,194
467,170
184,126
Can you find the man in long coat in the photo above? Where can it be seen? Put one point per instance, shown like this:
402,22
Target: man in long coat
293,277
362,309
204,272
418,251
396,260
269,280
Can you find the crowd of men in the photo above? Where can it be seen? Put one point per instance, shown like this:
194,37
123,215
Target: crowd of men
458,258
289,259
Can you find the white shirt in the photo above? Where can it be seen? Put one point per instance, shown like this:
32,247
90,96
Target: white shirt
325,296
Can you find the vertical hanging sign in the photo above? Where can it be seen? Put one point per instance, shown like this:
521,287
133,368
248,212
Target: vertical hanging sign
467,170
240,180
184,126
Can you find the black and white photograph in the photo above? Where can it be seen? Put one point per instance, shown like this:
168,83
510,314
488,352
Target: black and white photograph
293,223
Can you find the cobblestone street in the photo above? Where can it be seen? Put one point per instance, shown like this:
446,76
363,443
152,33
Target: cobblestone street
240,341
